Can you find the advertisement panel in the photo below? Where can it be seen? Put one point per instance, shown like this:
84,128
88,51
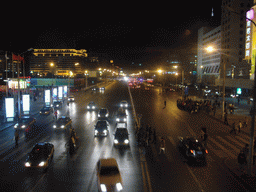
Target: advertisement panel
65,91
60,92
54,93
9,107
47,96
26,102
92,73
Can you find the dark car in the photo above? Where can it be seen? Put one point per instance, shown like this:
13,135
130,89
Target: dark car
95,89
57,104
40,156
62,123
46,111
101,128
192,149
71,98
103,113
25,123
121,116
121,137
91,106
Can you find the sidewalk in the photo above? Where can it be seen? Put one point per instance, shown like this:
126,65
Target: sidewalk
34,110
241,113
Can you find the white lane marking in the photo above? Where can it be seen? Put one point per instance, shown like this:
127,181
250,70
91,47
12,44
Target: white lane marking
223,148
148,178
236,141
196,180
227,143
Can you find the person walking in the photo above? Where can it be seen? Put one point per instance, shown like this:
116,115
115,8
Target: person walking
164,104
162,145
239,126
16,135
241,160
226,118
56,114
233,128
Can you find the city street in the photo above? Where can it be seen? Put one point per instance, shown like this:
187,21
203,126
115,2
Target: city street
169,172
77,172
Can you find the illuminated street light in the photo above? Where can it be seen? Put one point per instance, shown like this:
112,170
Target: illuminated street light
159,71
51,64
210,49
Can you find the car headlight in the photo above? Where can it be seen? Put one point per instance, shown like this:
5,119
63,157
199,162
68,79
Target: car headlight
40,112
62,126
27,164
54,126
96,132
121,105
105,131
98,115
126,141
103,187
57,105
41,164
126,105
125,119
69,99
117,119
88,107
23,126
16,125
119,186
115,141
107,115
93,107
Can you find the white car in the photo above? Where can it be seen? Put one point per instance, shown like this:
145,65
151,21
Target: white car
124,104
71,98
108,175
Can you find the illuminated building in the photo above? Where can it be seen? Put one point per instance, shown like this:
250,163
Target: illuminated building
62,62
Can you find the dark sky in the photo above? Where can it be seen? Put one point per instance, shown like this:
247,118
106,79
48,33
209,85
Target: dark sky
126,31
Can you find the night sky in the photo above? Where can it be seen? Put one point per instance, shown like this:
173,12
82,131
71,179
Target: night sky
125,31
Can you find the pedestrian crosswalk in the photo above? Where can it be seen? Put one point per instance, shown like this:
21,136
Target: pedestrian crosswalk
222,146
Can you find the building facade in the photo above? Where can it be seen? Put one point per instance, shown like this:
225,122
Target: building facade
208,67
62,62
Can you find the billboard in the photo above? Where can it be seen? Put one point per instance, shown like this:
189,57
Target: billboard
54,93
47,96
9,107
65,90
92,73
60,92
26,103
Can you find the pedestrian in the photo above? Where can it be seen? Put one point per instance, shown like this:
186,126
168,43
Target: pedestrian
226,118
233,128
245,150
245,123
162,145
239,126
204,138
164,104
16,135
56,114
241,160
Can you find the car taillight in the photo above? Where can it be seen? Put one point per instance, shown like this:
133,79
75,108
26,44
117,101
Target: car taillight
191,151
206,151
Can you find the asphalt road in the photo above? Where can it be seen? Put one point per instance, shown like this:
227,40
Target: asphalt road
171,172
76,172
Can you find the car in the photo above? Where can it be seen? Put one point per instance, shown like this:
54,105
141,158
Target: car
101,128
71,98
40,156
74,90
103,113
121,116
121,137
25,123
95,89
124,104
57,104
46,110
108,175
102,88
91,106
62,123
192,149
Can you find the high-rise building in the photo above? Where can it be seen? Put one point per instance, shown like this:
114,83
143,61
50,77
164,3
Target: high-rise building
208,60
61,62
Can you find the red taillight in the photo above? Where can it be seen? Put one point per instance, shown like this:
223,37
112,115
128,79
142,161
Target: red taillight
206,151
191,151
